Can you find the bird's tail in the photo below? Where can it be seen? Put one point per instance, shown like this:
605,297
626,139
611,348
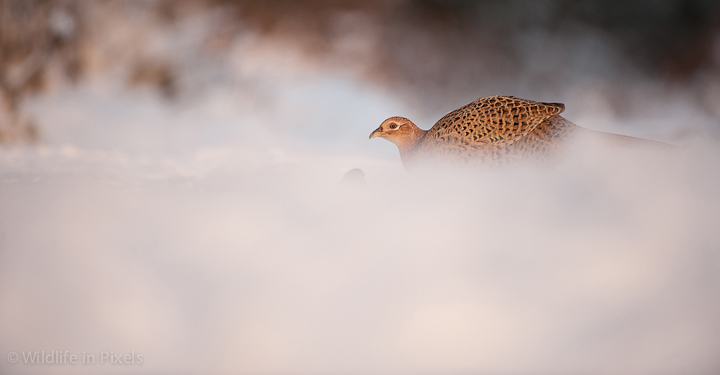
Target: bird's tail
627,142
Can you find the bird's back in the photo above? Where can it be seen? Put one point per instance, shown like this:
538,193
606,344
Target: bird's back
495,128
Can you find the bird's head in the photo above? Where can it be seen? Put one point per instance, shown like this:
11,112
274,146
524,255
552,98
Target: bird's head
400,131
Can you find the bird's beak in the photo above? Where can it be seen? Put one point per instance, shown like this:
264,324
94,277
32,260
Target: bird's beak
377,133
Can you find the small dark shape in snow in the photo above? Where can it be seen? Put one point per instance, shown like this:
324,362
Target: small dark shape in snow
354,177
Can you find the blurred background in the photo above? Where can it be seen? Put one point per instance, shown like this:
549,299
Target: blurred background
169,185
295,65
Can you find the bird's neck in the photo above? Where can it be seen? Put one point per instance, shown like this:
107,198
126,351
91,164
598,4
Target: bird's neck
409,141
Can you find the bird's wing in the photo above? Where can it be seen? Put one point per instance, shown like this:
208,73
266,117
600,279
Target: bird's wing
494,120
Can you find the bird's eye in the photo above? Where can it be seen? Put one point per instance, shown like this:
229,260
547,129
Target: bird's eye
393,126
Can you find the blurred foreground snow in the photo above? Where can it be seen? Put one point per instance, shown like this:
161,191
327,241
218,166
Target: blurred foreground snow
246,255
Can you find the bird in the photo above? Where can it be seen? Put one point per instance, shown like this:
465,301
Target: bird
491,131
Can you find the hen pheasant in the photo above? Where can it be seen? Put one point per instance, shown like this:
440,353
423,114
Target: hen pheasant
490,130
